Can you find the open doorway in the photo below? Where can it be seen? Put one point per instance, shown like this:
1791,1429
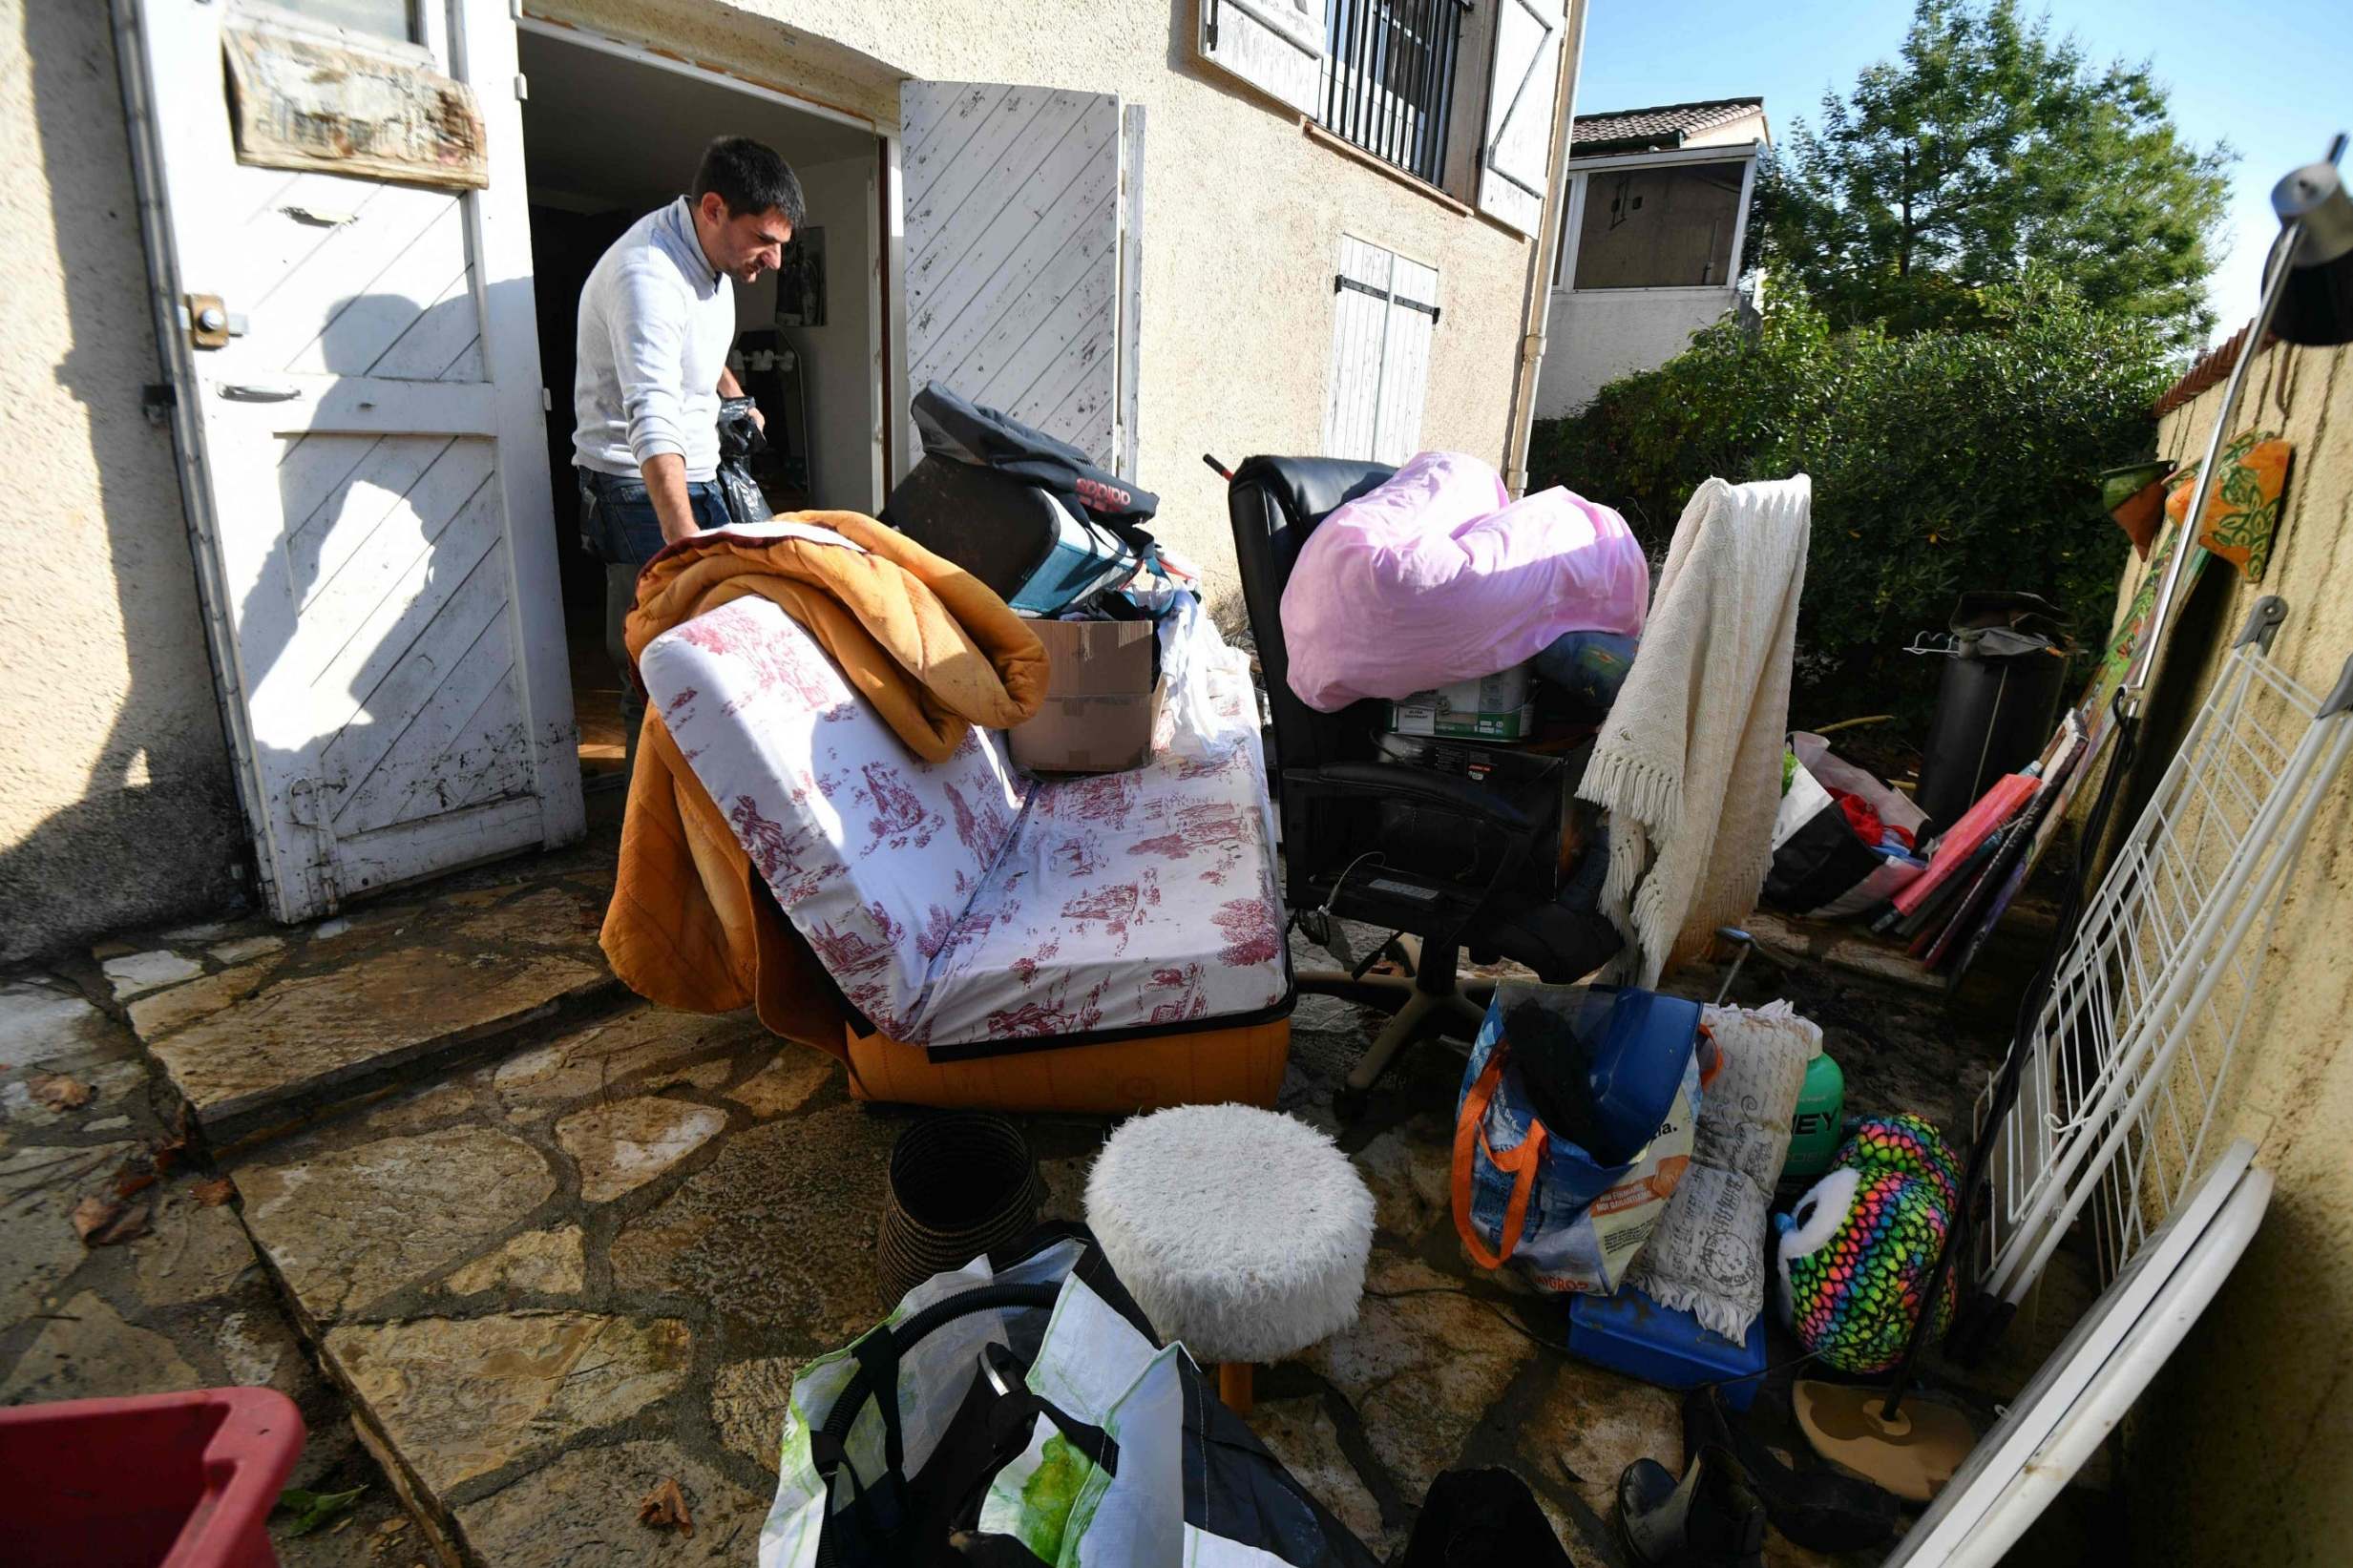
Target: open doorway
608,138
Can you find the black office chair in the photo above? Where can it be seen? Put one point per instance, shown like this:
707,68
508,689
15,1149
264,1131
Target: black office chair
1463,848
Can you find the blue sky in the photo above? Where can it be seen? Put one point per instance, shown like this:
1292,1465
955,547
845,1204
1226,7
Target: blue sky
2274,80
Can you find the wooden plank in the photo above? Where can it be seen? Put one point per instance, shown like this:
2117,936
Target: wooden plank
984,125
1072,400
435,338
450,842
416,665
1042,329
1405,361
342,521
305,102
348,405
1025,219
498,236
424,769
361,326
1131,284
362,555
988,359
283,319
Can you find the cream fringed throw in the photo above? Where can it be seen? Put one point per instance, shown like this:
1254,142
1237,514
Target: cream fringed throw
1689,766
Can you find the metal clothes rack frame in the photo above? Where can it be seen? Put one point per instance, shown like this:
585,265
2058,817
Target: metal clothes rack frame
2126,1069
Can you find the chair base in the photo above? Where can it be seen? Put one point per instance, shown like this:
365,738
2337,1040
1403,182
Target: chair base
1233,1387
1426,1005
1113,1077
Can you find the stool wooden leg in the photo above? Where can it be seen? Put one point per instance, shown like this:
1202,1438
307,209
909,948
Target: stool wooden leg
1233,1385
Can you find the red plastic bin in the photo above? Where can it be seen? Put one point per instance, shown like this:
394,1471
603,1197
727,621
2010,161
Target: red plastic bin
170,1480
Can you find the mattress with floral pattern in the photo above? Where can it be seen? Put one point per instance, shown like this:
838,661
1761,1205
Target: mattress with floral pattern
965,906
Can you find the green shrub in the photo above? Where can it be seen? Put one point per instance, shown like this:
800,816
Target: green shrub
1942,461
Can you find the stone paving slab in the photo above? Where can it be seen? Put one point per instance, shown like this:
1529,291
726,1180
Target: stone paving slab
253,1025
462,1397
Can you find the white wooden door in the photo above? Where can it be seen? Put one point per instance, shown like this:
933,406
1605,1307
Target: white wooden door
365,467
1023,213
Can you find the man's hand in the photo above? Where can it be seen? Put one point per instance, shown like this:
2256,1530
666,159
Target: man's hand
665,485
729,386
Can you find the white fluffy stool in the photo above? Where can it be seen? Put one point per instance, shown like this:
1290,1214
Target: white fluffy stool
1240,1232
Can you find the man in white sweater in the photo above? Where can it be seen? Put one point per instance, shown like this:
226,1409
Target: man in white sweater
656,318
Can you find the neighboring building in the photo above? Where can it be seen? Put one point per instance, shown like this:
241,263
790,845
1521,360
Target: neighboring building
1655,217
292,599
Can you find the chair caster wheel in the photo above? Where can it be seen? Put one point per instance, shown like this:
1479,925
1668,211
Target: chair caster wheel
1350,1104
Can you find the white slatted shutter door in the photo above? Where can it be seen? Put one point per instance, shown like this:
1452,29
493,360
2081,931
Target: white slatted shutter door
1014,257
1515,155
1359,333
367,467
1276,45
1405,360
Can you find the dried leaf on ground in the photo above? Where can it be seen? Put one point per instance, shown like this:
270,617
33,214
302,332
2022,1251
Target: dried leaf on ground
666,1506
58,1092
168,1154
215,1192
128,1224
136,1174
314,1510
93,1214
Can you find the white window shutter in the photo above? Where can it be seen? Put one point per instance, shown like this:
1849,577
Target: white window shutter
1276,45
1516,154
1384,312
1359,333
1405,360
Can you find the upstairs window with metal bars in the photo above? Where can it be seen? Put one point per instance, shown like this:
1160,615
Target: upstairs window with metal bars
1389,78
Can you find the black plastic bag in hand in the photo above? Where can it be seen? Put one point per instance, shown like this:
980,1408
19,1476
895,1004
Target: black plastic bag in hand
740,440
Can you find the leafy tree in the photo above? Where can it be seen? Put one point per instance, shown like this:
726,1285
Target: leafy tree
1984,149
1940,461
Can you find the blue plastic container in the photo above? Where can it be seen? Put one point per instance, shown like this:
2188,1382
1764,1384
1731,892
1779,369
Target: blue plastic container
1639,1043
1630,1333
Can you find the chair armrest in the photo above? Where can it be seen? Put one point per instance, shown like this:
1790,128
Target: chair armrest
1392,779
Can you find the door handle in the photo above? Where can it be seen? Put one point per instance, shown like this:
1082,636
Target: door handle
259,392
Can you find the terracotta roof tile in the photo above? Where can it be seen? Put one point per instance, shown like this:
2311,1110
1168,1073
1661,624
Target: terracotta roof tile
1663,126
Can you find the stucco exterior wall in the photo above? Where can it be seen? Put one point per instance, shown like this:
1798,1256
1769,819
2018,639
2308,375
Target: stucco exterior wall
2243,1451
1598,335
1243,216
116,802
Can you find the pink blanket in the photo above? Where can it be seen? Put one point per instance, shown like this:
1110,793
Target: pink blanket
1438,576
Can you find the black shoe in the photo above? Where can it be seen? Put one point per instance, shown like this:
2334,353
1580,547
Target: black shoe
1708,1519
1820,1510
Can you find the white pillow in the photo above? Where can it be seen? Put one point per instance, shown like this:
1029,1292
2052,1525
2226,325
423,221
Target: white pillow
1707,1257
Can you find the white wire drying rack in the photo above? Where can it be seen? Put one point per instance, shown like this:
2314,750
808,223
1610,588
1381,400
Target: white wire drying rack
2127,1065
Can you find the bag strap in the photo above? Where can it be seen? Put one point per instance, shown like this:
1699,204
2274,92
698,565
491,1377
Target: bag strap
1520,1161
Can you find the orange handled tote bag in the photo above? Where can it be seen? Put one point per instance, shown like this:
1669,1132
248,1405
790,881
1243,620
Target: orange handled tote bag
1530,1194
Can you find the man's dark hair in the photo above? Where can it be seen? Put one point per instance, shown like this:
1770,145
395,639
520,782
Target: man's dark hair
750,179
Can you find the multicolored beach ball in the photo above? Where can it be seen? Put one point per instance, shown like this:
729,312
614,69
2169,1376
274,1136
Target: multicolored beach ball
1855,1253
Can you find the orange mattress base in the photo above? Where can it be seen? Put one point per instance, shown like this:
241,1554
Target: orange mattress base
1198,1067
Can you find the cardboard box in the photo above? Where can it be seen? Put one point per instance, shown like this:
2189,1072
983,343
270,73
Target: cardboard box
1103,698
1498,707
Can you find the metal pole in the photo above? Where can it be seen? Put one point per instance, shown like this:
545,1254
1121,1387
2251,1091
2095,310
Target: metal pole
2144,656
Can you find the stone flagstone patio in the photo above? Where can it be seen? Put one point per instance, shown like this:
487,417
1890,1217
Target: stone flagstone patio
580,1250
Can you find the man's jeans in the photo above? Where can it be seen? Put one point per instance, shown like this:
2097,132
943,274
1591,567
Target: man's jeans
619,526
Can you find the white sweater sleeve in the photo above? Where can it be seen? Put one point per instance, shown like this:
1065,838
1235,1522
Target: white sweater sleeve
648,325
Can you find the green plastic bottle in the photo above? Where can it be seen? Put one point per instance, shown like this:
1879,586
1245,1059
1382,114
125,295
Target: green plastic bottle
1814,1129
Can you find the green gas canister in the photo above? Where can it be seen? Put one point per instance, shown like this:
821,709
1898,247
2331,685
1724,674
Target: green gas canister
1814,1129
